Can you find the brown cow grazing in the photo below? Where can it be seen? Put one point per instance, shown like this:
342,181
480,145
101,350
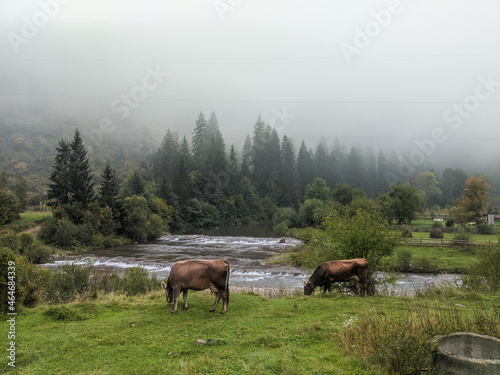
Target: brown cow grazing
198,275
337,271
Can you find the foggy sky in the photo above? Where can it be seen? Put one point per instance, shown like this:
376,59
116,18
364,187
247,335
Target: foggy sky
403,75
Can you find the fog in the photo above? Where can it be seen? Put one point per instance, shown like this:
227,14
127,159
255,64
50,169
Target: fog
421,78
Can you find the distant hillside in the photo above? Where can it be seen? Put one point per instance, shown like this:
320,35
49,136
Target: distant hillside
33,139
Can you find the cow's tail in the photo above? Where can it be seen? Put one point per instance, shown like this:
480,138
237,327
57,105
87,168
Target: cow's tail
226,285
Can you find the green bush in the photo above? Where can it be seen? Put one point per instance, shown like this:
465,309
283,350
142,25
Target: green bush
134,281
485,228
37,253
68,281
312,212
33,282
450,222
424,265
26,241
12,241
484,275
437,224
462,235
403,260
10,207
281,229
406,232
288,215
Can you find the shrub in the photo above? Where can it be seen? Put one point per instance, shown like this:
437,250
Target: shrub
462,236
450,222
281,229
485,228
288,215
69,235
11,241
134,281
68,281
26,241
403,260
32,282
10,207
37,253
406,232
484,275
424,265
436,233
312,212
437,224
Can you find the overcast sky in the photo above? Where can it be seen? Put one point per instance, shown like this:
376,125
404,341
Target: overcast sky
384,71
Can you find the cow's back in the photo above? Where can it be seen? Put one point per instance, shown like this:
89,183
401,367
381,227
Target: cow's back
199,274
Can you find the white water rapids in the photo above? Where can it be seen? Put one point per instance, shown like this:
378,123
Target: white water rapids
247,256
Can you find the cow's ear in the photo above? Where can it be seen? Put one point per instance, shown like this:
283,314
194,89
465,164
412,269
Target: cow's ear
163,285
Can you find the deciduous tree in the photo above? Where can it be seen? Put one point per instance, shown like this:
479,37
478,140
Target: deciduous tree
473,203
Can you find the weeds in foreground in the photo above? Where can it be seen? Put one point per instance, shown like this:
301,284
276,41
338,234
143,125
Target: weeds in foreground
403,345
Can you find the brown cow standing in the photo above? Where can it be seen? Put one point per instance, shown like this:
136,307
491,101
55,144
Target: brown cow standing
198,275
338,271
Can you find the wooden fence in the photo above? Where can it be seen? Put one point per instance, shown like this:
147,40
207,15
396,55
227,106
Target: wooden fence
443,242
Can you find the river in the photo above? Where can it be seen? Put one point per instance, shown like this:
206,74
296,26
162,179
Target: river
247,255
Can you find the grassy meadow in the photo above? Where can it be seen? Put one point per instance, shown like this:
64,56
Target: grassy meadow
290,335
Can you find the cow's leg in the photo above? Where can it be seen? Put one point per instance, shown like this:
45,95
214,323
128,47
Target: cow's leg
218,296
177,292
327,287
225,301
364,286
185,297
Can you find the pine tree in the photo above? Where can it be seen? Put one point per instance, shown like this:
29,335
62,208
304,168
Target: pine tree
80,174
305,166
322,163
370,183
108,191
233,171
355,174
59,190
381,184
169,155
337,161
246,157
290,190
199,139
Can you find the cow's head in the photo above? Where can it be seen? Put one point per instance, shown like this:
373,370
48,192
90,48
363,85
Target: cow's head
169,293
308,288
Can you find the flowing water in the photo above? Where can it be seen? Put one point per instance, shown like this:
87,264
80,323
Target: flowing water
247,256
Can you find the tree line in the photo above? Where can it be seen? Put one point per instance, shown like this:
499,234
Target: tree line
201,182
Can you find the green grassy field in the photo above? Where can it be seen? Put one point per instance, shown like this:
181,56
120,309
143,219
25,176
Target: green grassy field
27,220
124,335
138,335
445,259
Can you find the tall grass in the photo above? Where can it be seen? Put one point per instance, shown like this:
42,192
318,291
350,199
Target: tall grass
77,282
403,344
